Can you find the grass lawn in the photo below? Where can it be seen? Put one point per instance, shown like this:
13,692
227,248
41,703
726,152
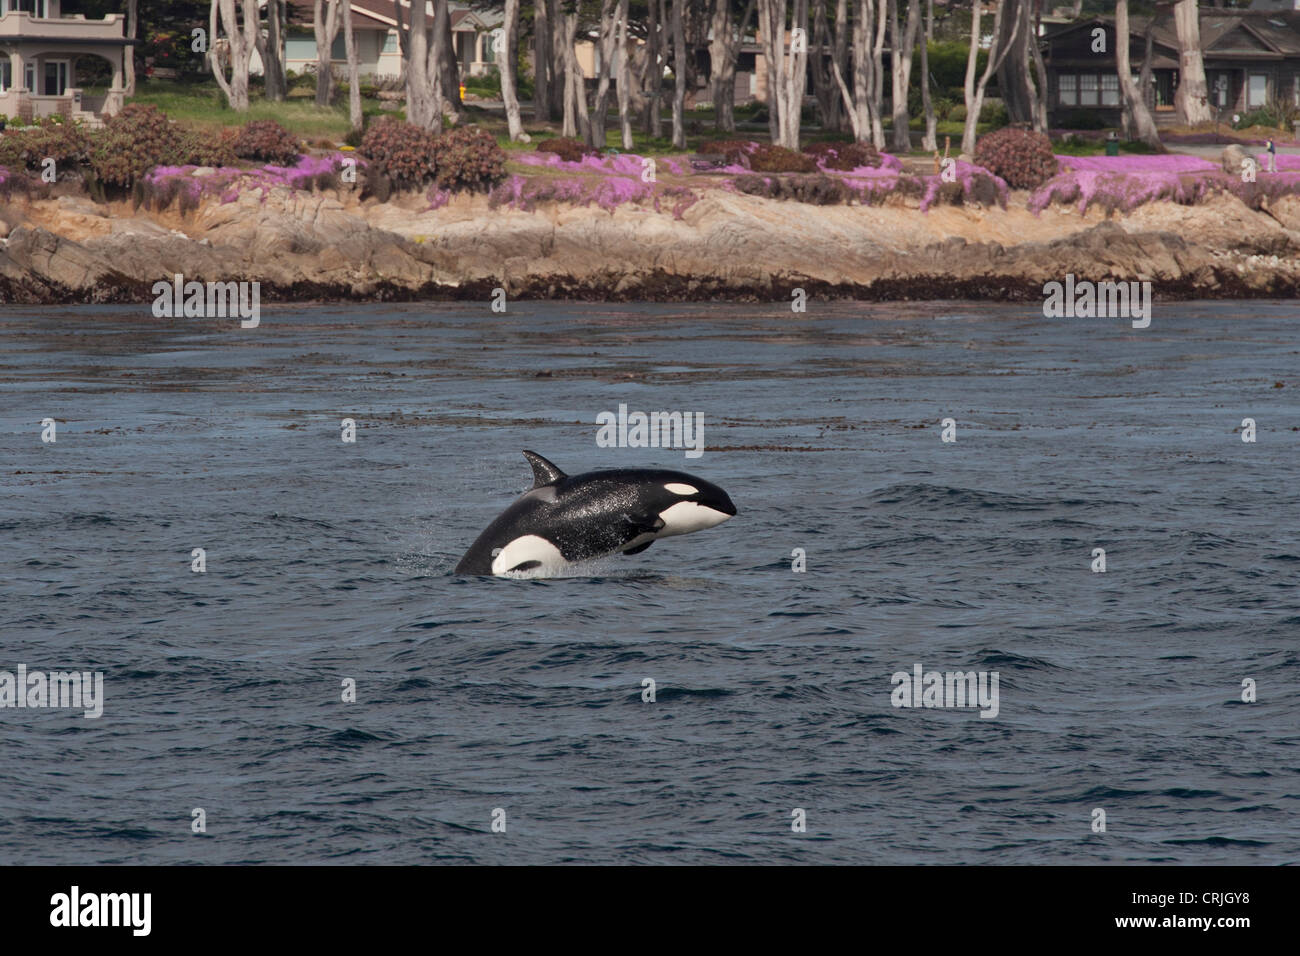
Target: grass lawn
204,105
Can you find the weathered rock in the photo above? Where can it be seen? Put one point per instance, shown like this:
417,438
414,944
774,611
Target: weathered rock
1234,158
727,245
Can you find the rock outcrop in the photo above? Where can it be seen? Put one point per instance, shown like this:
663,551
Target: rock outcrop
325,246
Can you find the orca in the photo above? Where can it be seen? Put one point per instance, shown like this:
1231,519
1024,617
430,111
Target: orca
565,519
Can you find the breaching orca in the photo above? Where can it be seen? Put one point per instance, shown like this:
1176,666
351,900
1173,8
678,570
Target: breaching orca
565,519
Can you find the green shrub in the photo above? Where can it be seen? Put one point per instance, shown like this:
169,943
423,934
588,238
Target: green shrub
994,113
1020,156
268,141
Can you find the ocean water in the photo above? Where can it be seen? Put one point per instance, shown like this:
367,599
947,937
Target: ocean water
329,561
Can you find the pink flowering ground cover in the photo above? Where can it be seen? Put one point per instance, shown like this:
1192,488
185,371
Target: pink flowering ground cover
164,183
1168,163
1126,191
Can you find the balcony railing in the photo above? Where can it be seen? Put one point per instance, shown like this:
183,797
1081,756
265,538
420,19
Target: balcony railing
22,24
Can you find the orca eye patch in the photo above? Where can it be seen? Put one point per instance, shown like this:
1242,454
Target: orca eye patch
678,488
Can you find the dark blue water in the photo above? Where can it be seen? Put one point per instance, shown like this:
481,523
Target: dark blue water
1119,691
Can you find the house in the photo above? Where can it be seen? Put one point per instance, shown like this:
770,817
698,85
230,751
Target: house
42,54
374,25
1251,58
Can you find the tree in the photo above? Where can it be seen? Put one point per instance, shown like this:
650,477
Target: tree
508,63
1192,98
652,81
997,54
325,27
354,68
543,60
679,77
787,71
930,141
132,32
611,14
724,48
1014,81
415,50
240,40
901,64
1138,123
624,81
271,49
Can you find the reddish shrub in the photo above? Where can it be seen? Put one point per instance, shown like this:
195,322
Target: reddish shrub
468,158
400,152
1020,156
268,141
777,159
735,151
569,150
844,156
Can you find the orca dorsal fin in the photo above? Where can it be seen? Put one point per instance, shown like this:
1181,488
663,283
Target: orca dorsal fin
543,471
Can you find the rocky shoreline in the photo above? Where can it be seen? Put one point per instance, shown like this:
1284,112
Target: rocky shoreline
727,246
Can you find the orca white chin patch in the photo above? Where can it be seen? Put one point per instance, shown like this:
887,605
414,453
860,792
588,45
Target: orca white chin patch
529,556
687,516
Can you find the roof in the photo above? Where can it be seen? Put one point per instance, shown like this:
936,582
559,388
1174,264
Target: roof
1225,34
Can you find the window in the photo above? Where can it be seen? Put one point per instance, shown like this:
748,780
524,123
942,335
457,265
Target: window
1109,89
1069,89
56,77
390,42
1257,94
6,73
1088,89
1295,88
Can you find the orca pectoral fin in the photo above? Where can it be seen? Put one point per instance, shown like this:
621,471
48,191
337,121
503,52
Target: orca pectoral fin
526,566
639,548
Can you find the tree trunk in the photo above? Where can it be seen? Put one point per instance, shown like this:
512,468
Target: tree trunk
1040,74
858,105
1138,123
325,27
930,141
654,71
419,102
1192,97
878,70
271,50
507,63
679,77
354,68
624,79
559,84
576,120
132,29
604,68
975,91
724,47
444,65
901,65
242,42
542,66
1013,76
824,92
